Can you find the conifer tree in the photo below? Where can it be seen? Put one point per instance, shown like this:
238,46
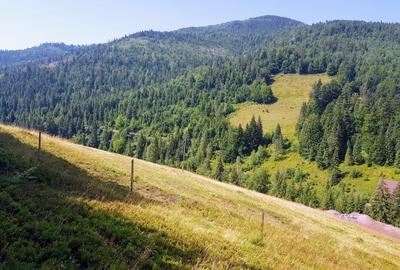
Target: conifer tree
380,204
395,206
341,203
141,146
331,70
329,200
253,135
241,137
277,140
310,137
219,170
231,145
302,117
279,185
357,151
349,154
153,151
397,157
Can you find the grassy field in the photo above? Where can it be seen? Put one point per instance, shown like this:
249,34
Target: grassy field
291,90
211,225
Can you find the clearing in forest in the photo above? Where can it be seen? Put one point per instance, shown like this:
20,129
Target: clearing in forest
291,90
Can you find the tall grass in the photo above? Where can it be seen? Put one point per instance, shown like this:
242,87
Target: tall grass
220,222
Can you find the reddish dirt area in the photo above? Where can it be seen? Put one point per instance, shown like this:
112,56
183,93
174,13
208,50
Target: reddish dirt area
369,223
158,194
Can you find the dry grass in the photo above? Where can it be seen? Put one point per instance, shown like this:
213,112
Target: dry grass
221,220
291,90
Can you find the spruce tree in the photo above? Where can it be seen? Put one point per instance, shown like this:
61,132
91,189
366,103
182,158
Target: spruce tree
302,117
254,135
153,151
349,154
329,200
219,170
380,204
231,145
141,146
331,70
397,157
241,137
357,151
341,203
395,206
310,137
277,140
279,185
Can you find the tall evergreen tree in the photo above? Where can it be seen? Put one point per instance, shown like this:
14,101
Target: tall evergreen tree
219,170
141,146
395,206
329,199
278,141
349,154
380,205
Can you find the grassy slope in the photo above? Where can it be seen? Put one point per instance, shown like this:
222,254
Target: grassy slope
218,223
292,90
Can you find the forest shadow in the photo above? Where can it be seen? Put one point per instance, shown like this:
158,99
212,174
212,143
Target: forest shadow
44,227
65,176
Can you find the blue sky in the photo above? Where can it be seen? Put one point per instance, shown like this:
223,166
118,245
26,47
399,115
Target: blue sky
25,23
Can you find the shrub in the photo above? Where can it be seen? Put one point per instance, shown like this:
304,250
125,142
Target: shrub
355,174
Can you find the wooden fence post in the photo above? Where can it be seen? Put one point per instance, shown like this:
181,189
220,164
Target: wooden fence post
132,173
262,224
40,141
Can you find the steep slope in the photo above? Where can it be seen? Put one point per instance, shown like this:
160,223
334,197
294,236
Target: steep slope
189,221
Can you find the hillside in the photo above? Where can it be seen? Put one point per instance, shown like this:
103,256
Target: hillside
242,36
166,97
223,39
43,53
175,219
292,90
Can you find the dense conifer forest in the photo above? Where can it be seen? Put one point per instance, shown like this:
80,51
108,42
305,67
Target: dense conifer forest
165,97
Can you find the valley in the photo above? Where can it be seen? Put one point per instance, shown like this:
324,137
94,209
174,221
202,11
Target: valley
248,144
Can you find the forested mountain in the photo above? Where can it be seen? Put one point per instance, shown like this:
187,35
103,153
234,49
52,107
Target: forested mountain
108,73
164,97
231,37
44,53
241,36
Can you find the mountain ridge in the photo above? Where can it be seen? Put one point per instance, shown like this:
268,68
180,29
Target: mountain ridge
54,51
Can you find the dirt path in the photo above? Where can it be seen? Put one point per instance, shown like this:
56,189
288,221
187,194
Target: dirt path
368,223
